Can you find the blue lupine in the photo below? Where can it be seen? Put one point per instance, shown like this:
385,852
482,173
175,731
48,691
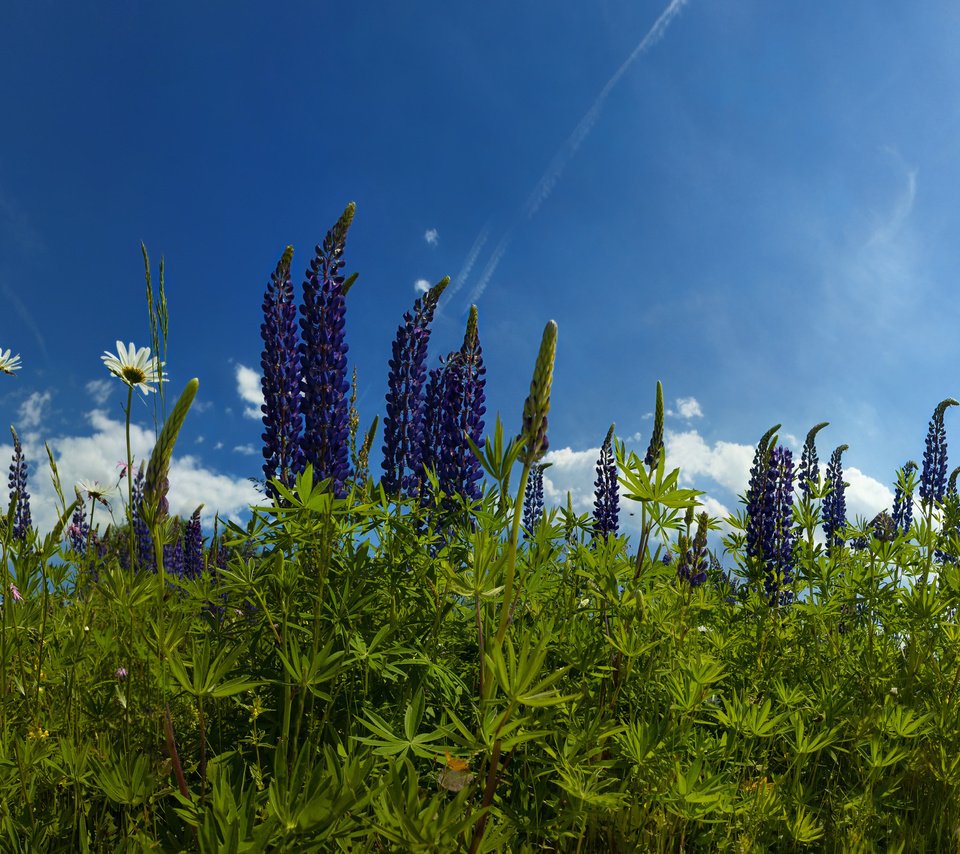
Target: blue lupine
193,547
903,501
140,529
606,505
756,497
403,423
692,567
280,361
779,535
809,471
933,478
79,529
533,499
323,362
835,504
19,496
173,557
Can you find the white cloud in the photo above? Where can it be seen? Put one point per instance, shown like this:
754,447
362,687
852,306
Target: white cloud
247,450
218,446
33,409
688,407
94,456
99,390
864,496
432,236
726,463
421,286
248,387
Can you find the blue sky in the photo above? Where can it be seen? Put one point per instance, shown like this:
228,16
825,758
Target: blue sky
753,202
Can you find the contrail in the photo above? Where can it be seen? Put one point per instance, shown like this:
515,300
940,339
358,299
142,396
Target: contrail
470,260
564,155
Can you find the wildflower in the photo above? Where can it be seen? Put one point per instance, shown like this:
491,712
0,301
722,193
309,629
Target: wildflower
140,528
809,471
533,499
606,508
655,448
834,504
15,593
8,363
537,404
173,557
404,422
692,567
933,478
123,469
121,673
779,537
19,496
37,733
193,546
756,496
283,456
666,559
903,498
884,528
135,367
323,361
95,491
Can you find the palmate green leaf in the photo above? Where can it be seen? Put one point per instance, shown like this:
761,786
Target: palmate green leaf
516,674
310,671
385,743
207,673
662,489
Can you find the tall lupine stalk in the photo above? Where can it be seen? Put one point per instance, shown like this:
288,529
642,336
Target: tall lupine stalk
757,497
144,543
404,421
606,504
835,503
533,500
779,538
933,476
454,405
692,567
19,496
193,547
655,448
903,497
323,361
808,473
280,382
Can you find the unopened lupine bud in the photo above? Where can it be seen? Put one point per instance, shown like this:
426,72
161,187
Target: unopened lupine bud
537,404
655,448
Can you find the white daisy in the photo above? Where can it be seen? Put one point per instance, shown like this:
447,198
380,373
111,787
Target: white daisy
134,367
95,490
8,363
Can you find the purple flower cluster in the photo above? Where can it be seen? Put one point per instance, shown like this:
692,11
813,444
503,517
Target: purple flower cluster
19,496
533,499
835,504
933,478
193,546
694,559
809,471
606,504
454,405
770,535
140,529
79,529
280,361
403,426
323,361
903,499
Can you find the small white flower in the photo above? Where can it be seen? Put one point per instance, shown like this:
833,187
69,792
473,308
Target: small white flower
95,490
8,363
134,367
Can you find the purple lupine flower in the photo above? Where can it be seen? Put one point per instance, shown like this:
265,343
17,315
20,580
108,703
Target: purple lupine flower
323,360
835,504
606,505
173,556
283,457
756,497
933,478
193,546
19,496
666,559
432,445
79,529
692,567
809,471
121,673
903,501
140,529
403,424
779,537
533,499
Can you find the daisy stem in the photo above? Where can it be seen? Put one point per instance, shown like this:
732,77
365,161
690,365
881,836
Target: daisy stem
130,480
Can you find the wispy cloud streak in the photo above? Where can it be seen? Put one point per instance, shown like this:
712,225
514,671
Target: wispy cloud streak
470,261
548,181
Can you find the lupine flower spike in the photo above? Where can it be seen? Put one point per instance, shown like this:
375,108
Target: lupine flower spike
835,504
903,498
756,497
933,478
606,506
537,404
19,496
280,382
323,360
778,533
692,567
403,424
655,447
533,499
809,472
9,363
